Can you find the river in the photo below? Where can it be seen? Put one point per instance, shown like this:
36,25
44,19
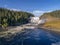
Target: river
32,37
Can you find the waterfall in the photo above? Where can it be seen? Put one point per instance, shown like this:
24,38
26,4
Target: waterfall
36,20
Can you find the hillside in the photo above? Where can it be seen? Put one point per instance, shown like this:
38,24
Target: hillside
53,20
11,18
54,15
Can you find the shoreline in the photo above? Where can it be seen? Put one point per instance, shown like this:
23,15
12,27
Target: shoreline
13,30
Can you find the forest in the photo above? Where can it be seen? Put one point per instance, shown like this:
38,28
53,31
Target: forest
12,18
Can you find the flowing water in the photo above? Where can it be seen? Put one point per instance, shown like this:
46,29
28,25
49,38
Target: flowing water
32,37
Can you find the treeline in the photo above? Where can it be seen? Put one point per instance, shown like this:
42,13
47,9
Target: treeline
12,18
55,14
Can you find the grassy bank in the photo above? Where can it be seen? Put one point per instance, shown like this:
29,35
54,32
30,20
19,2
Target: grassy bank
53,24
53,27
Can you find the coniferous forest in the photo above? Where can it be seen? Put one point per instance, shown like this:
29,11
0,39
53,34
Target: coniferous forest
13,18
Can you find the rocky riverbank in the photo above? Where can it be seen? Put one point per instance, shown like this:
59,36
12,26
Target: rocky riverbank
13,30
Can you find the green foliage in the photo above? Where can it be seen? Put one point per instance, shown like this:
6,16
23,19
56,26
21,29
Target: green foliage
10,17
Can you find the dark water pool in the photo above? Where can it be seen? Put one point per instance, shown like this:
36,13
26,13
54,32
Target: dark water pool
31,37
